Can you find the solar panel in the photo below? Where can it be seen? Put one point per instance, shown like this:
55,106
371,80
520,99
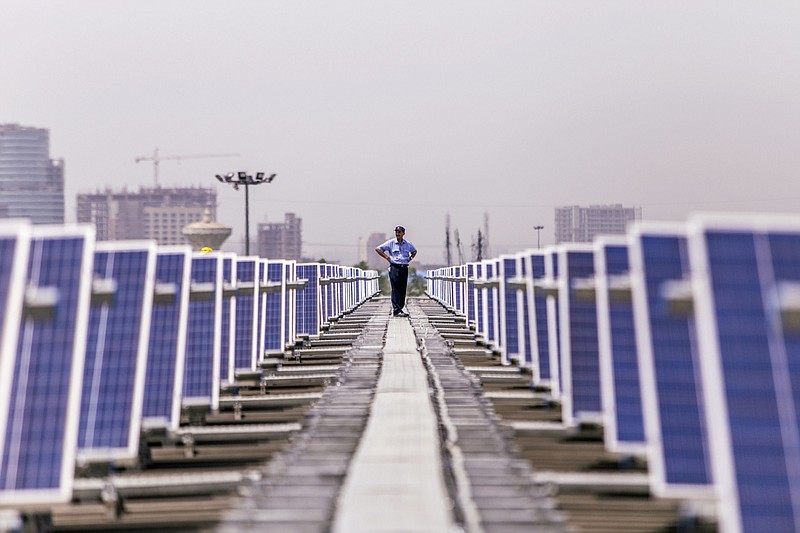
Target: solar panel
491,297
510,315
580,360
549,287
201,372
41,431
473,308
116,351
166,352
273,306
308,299
666,343
536,306
483,300
228,318
14,246
524,284
289,315
623,418
746,274
460,303
247,281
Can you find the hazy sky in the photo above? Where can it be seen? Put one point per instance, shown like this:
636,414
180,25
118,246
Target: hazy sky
377,113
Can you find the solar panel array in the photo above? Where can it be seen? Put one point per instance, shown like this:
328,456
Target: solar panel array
681,340
100,340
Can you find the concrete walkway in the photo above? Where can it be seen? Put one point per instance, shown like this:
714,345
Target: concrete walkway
395,482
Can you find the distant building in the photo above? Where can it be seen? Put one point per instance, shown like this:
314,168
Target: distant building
281,240
151,213
583,224
374,260
31,184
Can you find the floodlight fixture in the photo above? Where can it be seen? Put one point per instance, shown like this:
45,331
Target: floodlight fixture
235,179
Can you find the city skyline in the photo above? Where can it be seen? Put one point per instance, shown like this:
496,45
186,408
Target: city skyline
374,115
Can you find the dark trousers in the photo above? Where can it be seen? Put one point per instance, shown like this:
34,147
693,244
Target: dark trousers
398,275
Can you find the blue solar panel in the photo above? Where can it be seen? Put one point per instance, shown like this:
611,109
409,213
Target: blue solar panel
491,302
273,307
333,292
116,351
554,323
167,346
460,306
201,373
472,307
481,301
537,310
510,315
619,365
669,366
246,345
526,341
290,303
14,247
308,299
227,318
38,459
746,274
580,359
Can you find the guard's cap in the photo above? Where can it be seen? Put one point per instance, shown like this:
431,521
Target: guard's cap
400,228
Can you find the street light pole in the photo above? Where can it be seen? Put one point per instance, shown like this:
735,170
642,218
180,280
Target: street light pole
243,178
246,219
538,229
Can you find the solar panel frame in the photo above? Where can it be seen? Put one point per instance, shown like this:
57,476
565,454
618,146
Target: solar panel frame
114,372
201,371
167,345
672,472
580,359
15,240
620,384
64,444
748,368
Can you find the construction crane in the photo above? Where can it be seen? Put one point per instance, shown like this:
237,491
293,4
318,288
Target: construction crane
156,159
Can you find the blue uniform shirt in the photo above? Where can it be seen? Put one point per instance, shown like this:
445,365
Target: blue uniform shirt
399,252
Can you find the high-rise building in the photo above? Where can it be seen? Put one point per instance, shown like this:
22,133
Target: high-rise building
31,184
151,213
281,240
583,224
374,260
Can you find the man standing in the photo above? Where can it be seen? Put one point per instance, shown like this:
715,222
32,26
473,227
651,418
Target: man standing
399,252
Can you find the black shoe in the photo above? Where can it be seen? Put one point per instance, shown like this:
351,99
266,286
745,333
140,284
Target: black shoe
401,314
